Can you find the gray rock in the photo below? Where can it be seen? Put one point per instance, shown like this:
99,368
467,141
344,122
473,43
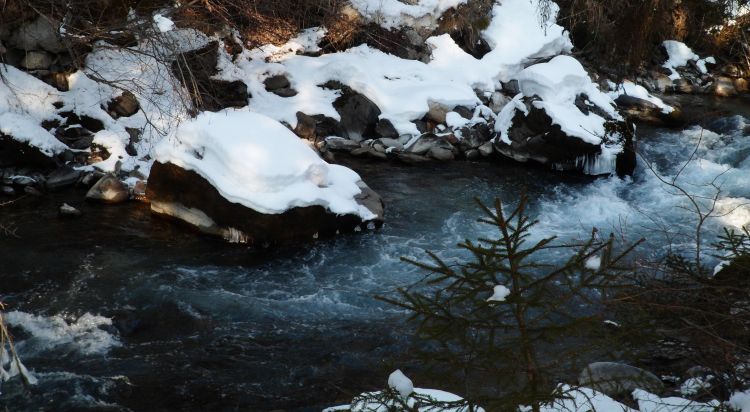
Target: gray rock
109,189
38,34
440,153
412,158
486,149
22,180
285,92
359,115
341,144
276,82
7,190
384,128
723,87
31,190
36,60
616,379
437,112
66,210
472,154
63,177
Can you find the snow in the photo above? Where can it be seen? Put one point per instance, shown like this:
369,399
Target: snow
693,386
400,383
593,262
583,400
499,293
163,24
393,13
648,402
26,130
455,120
679,56
402,89
255,161
558,83
740,401
629,88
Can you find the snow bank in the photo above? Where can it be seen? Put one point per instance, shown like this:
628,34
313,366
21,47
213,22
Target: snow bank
558,83
27,130
255,161
393,13
679,56
402,89
648,402
629,88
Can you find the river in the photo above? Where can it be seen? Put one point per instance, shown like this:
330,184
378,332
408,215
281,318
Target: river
120,310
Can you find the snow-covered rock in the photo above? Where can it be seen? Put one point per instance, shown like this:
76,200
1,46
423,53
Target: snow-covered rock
614,379
561,119
247,178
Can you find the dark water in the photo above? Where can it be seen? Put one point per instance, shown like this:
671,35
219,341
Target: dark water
118,310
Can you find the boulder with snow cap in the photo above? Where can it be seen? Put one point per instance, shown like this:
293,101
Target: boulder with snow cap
616,379
562,120
247,178
359,114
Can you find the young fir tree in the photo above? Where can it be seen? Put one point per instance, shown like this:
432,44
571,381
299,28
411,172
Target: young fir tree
511,320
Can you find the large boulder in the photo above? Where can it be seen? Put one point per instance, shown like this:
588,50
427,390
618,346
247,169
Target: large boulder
617,379
245,177
562,120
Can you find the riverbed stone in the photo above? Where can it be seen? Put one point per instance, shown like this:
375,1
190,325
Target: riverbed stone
67,211
723,87
185,195
109,189
618,379
63,177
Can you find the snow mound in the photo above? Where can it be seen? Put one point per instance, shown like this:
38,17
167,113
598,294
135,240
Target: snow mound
255,161
629,88
558,83
679,56
26,130
393,13
402,89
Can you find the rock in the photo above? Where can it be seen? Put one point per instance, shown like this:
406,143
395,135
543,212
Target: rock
741,85
464,112
341,144
618,379
472,154
276,82
683,85
498,101
139,191
185,195
723,87
196,69
23,180
124,105
427,142
437,112
31,190
66,210
40,33
440,153
475,136
412,158
285,92
63,177
306,127
534,137
359,115
644,111
384,128
7,190
731,70
511,88
109,189
36,60
486,149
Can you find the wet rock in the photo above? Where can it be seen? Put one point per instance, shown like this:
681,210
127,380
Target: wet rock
472,154
124,105
486,149
139,191
723,87
32,191
731,70
412,158
21,180
475,136
66,211
618,379
741,85
440,153
683,86
426,142
36,60
109,189
63,177
185,195
638,109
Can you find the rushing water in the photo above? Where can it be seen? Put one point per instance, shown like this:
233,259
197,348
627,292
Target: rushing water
118,310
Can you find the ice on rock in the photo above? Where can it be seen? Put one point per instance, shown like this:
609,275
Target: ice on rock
400,383
499,293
